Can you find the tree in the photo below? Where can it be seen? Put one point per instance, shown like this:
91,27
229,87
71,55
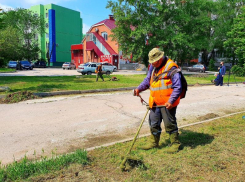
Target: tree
10,45
1,19
236,37
181,28
226,13
28,26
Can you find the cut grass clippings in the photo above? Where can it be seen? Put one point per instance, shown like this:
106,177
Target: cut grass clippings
18,97
213,151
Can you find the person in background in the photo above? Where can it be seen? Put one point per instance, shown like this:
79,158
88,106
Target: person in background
99,72
222,71
220,76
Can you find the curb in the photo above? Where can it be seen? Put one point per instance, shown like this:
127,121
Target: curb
47,94
72,92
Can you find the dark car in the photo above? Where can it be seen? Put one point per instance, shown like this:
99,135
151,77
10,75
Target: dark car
12,64
26,65
197,68
39,64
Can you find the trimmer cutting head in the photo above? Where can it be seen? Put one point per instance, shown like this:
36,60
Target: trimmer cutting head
129,162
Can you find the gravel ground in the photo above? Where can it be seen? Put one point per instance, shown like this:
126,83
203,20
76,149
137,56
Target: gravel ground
65,123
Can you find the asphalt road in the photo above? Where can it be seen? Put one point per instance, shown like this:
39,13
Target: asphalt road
66,123
61,72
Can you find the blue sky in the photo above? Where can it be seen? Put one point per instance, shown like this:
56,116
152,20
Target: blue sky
91,11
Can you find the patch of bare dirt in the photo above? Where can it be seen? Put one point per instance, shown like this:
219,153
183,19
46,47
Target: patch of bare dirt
197,85
200,76
207,116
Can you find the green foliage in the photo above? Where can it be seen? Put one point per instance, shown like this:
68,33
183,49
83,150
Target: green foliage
211,65
10,45
1,20
19,35
181,29
237,70
26,168
236,37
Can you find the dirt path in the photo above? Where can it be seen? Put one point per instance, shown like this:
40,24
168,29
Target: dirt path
63,124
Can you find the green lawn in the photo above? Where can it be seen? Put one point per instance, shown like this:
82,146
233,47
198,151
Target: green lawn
4,70
87,82
213,151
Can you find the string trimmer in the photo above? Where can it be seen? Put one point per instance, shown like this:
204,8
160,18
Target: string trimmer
126,158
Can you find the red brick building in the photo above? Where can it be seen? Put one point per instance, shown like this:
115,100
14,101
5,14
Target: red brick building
97,45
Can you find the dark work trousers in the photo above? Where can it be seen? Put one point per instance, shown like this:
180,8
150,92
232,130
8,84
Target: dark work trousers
221,80
99,74
157,114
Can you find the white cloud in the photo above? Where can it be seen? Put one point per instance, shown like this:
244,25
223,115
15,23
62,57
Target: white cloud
5,7
85,28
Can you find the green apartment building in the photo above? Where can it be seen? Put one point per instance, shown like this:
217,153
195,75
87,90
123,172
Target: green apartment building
63,28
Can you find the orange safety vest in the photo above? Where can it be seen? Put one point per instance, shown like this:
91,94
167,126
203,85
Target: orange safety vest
161,89
98,69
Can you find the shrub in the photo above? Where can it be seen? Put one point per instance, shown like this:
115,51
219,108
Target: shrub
238,71
211,65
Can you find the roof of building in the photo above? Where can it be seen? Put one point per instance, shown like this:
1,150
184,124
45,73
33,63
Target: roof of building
110,23
77,47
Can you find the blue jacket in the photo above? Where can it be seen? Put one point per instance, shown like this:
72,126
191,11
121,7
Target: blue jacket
222,70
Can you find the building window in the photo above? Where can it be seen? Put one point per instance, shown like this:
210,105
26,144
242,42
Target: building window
46,25
46,15
104,35
47,35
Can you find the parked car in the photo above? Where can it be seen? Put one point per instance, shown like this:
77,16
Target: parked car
109,66
26,65
89,68
69,66
197,68
39,64
12,64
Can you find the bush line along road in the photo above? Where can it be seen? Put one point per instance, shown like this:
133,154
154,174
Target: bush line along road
66,123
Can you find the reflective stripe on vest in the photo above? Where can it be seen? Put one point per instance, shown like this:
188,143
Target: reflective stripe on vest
163,87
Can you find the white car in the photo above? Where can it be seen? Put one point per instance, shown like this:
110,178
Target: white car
109,66
89,68
69,66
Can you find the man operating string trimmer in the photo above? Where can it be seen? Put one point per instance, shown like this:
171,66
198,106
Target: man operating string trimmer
165,89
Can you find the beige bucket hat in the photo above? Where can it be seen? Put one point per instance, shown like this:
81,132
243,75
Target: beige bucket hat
155,54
